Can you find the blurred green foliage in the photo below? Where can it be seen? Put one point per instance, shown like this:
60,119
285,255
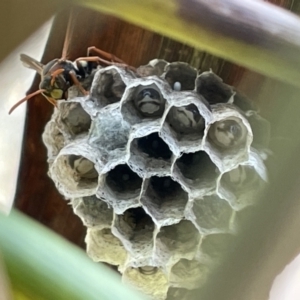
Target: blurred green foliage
42,265
259,36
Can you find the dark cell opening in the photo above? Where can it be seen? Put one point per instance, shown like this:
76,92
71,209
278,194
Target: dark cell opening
123,180
213,89
114,87
197,165
165,198
138,220
154,146
165,187
183,74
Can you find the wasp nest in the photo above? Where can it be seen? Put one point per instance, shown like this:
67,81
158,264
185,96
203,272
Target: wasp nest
157,164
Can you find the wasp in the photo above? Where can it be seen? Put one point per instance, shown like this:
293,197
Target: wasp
59,75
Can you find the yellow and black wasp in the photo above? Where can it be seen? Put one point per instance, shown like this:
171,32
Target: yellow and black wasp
59,74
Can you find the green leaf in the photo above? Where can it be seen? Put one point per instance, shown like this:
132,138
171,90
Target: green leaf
255,34
44,266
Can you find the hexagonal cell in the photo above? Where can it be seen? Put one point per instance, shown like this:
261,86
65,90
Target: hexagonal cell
120,187
181,76
93,212
179,294
154,67
154,146
214,247
155,285
73,119
196,170
108,86
241,186
143,102
185,125
164,199
135,228
75,171
189,274
186,120
212,214
103,246
213,89
150,155
228,139
109,134
227,134
179,241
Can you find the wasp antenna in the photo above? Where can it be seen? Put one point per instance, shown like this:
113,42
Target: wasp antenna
52,101
26,99
72,21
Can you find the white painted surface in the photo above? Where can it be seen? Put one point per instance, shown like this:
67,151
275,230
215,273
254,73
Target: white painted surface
15,81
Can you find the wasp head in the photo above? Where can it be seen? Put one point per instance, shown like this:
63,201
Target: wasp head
55,78
54,88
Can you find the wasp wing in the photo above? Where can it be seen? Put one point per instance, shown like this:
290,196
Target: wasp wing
32,63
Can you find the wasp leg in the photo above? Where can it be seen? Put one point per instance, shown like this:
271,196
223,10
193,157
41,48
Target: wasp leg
26,99
55,74
105,55
98,60
76,82
52,101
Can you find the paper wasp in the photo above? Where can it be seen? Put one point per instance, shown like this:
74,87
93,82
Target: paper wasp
59,74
